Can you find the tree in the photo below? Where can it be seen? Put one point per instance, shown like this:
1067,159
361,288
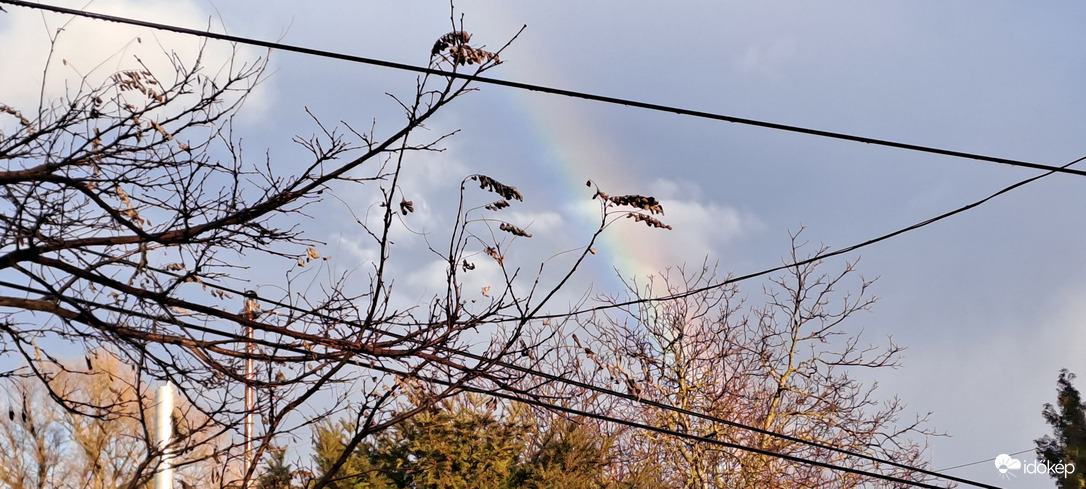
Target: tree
469,441
45,446
782,367
31,440
278,473
1067,445
127,208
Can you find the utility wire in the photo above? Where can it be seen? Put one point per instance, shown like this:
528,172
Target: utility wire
823,256
550,90
565,409
686,294
613,393
988,460
559,379
818,257
1051,169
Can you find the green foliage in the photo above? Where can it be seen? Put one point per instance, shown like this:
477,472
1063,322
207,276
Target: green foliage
470,443
1068,421
362,470
567,454
278,474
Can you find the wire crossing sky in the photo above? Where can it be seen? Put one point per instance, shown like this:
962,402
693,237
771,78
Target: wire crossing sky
989,304
612,419
550,90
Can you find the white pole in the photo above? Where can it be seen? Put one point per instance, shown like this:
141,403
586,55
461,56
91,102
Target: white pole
164,477
249,404
251,312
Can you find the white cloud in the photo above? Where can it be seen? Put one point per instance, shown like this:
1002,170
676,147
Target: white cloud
701,228
89,51
536,222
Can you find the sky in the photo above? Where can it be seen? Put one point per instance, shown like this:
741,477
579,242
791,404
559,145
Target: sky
990,303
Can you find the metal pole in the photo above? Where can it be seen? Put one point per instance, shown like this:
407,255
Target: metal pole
252,311
164,413
249,404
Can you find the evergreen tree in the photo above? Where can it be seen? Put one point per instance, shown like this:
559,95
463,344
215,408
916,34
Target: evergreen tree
1068,421
278,474
362,470
468,442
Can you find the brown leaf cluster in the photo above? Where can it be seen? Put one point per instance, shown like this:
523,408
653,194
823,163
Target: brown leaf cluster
310,255
140,81
647,203
459,52
493,252
450,39
22,120
491,185
509,228
648,220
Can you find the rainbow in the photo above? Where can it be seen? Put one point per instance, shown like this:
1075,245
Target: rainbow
573,151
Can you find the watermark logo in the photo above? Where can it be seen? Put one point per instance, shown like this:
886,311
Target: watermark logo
1007,466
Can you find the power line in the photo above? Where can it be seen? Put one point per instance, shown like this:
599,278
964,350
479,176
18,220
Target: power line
647,402
641,105
571,382
819,257
988,460
549,90
566,409
679,296
701,290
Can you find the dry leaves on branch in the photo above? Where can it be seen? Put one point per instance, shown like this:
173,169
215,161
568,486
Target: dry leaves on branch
22,120
647,203
509,228
138,80
459,52
310,255
493,252
649,221
491,185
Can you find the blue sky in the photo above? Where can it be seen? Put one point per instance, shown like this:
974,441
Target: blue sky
991,303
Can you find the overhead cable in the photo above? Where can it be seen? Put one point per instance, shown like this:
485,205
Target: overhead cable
578,412
550,90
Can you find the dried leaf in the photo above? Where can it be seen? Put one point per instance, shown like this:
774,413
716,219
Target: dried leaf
161,131
642,202
489,184
501,204
486,291
509,228
494,253
649,221
468,266
406,206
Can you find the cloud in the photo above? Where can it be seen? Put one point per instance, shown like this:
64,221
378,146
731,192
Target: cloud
701,228
87,51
